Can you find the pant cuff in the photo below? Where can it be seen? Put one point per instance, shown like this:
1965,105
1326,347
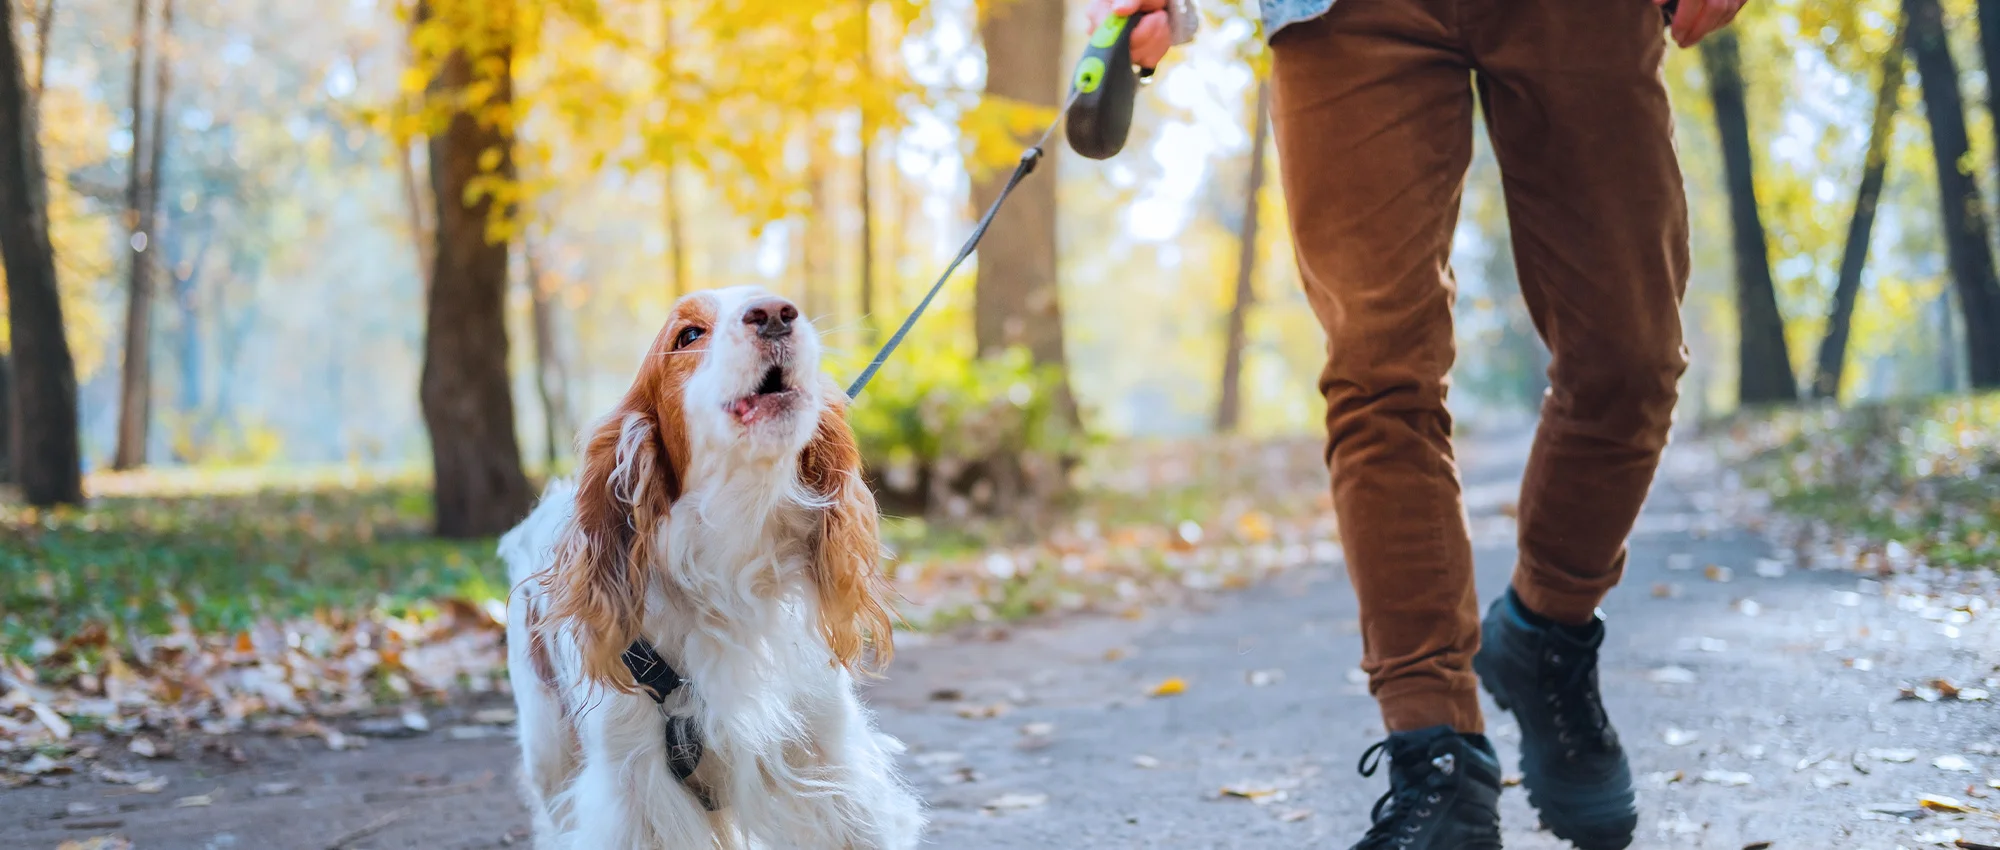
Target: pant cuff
1425,705
1569,607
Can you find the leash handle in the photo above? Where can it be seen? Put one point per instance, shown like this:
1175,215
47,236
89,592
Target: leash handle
1105,86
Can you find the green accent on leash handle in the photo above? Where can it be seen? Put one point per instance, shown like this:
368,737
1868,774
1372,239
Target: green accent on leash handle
1103,89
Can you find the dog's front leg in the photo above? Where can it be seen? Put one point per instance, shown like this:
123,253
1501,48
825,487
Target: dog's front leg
626,795
875,805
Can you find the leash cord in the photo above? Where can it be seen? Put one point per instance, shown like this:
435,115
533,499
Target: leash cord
1029,158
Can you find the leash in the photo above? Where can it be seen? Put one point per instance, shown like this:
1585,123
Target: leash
1099,113
1029,158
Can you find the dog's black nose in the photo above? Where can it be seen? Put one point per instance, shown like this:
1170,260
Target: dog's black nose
772,317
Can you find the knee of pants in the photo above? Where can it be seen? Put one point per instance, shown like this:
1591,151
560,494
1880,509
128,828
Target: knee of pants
1621,393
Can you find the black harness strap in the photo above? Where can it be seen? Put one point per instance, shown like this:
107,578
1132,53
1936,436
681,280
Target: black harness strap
684,748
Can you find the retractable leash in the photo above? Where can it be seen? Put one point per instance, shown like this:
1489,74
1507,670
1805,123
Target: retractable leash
1099,112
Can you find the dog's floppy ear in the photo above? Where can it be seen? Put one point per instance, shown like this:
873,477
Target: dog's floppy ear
847,550
597,586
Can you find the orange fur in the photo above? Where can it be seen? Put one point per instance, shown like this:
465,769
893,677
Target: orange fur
847,554
601,573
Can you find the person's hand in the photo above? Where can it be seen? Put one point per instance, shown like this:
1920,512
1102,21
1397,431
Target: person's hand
1152,36
1695,19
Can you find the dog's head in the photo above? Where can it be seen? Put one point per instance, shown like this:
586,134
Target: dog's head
732,382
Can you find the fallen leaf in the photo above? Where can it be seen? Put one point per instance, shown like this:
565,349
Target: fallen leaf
1944,688
1956,764
1671,675
1511,780
1963,844
938,758
961,776
1170,687
101,842
1895,810
1718,573
1770,568
1260,793
1757,845
145,747
947,695
198,800
1145,762
415,721
39,764
1115,653
1940,803
983,712
151,786
1675,737
50,720
1974,694
1893,756
1038,729
77,810
493,716
273,789
1015,802
1666,590
1665,777
1294,815
1729,778
1263,678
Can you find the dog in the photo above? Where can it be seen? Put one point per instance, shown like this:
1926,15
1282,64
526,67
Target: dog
719,517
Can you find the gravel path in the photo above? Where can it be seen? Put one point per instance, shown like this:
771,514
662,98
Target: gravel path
1773,720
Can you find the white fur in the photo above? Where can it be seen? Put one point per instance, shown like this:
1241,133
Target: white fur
732,610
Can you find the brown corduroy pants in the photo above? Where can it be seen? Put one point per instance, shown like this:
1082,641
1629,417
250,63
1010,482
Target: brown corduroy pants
1373,110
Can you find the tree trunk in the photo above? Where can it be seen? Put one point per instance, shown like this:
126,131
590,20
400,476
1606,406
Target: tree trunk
550,382
1964,214
134,386
1015,297
1764,363
677,259
186,289
867,176
816,268
467,402
1839,318
45,20
1989,50
45,446
1230,408
422,221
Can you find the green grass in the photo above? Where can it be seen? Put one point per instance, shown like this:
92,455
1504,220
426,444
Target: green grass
1924,473
138,563
215,553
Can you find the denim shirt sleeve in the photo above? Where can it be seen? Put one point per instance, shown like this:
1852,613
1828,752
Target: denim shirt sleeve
1279,14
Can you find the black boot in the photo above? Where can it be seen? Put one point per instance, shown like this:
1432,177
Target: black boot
1444,792
1575,771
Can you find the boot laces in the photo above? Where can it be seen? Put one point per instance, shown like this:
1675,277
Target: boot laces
1401,814
1569,678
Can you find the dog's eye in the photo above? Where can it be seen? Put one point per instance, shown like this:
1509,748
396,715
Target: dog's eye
687,336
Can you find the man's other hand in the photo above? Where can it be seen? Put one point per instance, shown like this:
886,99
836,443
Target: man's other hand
1693,20
1152,37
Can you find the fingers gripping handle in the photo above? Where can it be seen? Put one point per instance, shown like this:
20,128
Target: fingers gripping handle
1105,85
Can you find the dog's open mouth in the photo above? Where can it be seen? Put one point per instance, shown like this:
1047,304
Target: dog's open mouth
772,397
